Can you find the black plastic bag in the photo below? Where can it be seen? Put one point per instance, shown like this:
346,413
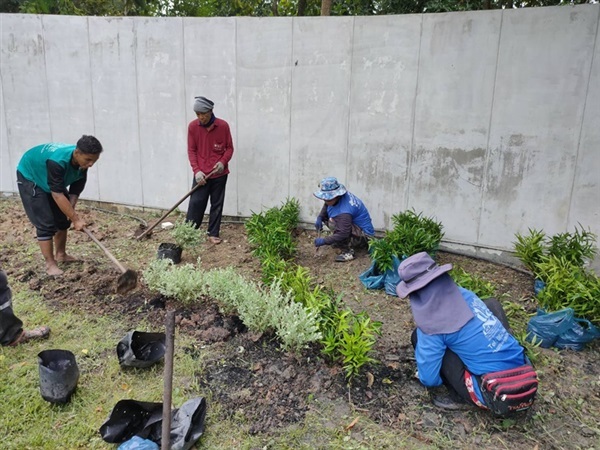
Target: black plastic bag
140,349
59,375
132,418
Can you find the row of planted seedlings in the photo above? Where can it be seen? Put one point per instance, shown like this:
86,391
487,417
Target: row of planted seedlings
345,337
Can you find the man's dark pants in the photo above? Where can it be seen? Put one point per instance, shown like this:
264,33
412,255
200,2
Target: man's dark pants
214,189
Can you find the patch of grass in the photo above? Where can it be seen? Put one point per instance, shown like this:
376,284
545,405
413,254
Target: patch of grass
29,422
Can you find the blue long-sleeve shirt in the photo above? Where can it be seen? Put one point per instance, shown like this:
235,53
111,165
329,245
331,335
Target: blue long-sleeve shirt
483,344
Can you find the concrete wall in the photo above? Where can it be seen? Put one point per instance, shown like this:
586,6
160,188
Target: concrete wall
489,121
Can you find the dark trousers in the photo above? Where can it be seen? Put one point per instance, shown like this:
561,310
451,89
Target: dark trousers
10,325
453,369
41,209
214,189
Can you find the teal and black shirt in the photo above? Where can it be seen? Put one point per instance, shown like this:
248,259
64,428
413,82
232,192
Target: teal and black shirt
49,166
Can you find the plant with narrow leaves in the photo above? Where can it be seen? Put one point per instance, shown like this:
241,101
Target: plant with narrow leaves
412,233
530,248
474,283
576,247
569,286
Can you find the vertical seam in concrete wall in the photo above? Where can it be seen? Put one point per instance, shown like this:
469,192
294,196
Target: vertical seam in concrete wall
87,23
349,98
292,65
486,162
137,105
587,93
46,79
414,120
237,127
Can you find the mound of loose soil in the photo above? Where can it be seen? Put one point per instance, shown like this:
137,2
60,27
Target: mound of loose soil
249,375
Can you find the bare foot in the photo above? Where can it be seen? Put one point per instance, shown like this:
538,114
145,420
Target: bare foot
65,258
53,270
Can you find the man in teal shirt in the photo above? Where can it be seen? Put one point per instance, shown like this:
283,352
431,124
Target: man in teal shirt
43,176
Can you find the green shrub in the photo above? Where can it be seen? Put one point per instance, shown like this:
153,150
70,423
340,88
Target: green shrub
559,262
183,283
269,232
412,233
186,235
530,248
568,285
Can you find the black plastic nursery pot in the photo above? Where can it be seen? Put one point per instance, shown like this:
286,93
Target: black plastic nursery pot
141,349
167,250
59,375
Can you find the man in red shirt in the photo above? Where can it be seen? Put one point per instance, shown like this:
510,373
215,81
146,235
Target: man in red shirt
210,148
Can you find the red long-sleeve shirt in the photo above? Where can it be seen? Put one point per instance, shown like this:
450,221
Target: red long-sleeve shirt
207,146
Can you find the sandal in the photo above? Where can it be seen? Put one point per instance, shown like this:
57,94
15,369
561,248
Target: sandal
28,335
215,239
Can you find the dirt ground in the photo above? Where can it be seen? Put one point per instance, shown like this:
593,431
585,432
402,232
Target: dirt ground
248,374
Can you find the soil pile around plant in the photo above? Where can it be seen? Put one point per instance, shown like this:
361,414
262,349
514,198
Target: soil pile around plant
249,376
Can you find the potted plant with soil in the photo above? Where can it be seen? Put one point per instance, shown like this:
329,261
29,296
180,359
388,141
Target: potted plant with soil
185,235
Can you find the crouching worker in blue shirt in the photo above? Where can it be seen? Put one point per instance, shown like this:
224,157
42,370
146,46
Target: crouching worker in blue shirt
346,215
462,342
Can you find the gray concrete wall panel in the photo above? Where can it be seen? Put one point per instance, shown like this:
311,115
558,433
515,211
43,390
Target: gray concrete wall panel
585,197
264,61
384,75
68,72
536,120
210,71
159,57
322,57
454,101
114,89
24,87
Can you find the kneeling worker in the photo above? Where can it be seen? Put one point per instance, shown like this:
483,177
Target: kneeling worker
346,215
464,342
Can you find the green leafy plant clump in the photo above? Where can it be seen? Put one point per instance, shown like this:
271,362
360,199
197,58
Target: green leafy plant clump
412,233
184,283
186,235
559,261
270,232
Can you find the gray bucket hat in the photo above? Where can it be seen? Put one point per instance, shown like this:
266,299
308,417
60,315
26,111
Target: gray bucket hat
417,271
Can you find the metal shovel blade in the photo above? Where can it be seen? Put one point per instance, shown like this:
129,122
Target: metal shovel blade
127,281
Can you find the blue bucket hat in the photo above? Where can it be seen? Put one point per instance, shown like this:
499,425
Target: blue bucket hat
330,188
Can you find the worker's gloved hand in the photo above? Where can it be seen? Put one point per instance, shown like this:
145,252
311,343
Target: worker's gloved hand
319,223
219,166
200,177
319,242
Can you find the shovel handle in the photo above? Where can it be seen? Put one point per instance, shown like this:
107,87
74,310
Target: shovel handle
105,250
149,229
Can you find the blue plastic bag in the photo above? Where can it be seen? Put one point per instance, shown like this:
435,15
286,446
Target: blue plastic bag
575,338
546,327
392,278
371,278
538,285
137,443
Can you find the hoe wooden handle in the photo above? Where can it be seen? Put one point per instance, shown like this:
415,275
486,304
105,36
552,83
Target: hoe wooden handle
105,250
